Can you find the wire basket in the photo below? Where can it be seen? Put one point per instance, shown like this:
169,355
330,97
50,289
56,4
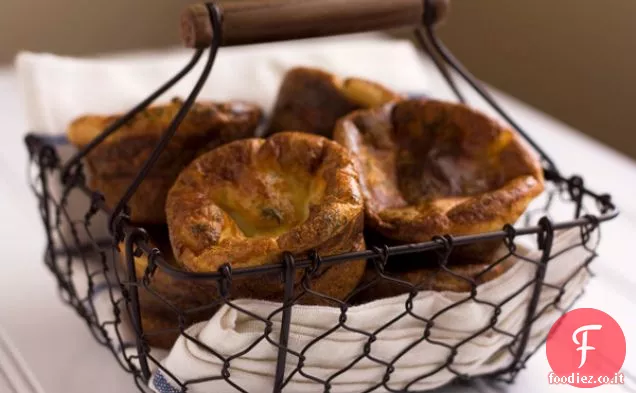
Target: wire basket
90,275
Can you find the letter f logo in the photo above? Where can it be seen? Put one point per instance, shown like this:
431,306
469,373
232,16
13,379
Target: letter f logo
583,344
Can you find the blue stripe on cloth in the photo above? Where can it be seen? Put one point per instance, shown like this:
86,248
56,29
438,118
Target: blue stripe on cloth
123,347
417,95
161,385
54,140
99,288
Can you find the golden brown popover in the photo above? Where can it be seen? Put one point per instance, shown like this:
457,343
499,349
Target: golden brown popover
167,294
247,202
115,162
197,301
183,294
457,279
311,100
432,168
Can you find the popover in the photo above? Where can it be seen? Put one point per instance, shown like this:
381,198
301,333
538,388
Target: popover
115,162
311,100
183,294
249,201
166,294
431,168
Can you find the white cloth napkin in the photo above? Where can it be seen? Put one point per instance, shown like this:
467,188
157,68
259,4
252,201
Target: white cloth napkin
57,89
230,332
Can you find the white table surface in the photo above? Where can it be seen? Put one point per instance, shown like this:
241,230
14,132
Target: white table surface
54,343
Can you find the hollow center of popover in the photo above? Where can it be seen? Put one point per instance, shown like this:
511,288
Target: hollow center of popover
417,152
446,152
439,166
269,200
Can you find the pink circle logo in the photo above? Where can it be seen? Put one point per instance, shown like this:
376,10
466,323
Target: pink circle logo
586,348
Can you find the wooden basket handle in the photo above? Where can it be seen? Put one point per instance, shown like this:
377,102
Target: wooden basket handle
256,21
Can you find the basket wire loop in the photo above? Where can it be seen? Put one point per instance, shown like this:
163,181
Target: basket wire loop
47,158
97,198
545,240
604,202
288,295
587,230
427,47
135,310
575,189
225,283
447,248
312,271
382,257
428,35
183,111
316,260
429,18
509,240
152,263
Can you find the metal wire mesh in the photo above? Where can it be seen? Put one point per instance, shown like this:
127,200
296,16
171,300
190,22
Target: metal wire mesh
100,280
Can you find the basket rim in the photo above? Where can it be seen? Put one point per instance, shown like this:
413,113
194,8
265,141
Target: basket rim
41,145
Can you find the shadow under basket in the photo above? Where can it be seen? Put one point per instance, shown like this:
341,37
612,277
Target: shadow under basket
94,251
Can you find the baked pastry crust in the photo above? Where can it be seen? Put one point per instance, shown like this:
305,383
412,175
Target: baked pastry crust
311,100
247,202
115,162
183,294
166,294
431,168
197,301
